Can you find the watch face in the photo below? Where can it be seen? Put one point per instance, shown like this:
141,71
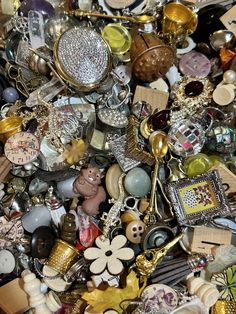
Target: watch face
22,148
10,232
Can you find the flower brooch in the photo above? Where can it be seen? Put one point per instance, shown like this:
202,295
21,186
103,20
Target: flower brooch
108,255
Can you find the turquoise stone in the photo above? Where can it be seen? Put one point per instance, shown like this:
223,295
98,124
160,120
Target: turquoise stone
137,182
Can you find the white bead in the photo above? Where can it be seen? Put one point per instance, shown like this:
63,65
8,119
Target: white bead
229,77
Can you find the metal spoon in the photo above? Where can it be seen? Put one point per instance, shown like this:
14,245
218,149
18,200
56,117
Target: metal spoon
158,141
142,19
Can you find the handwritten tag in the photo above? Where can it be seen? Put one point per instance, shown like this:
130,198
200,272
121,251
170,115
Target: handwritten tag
229,19
228,178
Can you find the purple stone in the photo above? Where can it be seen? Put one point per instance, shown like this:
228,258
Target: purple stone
159,120
10,94
41,6
193,89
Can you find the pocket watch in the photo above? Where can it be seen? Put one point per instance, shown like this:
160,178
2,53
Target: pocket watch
22,148
11,232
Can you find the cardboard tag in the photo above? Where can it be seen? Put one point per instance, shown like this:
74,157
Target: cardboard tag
205,239
229,19
157,99
13,298
228,178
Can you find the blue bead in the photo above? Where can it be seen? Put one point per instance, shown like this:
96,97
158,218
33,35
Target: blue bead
10,94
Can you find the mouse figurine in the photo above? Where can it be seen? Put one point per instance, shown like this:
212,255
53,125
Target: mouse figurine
87,185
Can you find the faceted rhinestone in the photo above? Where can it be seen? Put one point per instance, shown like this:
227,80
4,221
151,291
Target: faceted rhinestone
159,120
193,89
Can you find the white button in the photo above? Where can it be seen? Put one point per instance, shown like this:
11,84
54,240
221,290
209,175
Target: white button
7,262
224,94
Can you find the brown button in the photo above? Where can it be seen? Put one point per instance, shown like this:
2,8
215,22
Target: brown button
134,231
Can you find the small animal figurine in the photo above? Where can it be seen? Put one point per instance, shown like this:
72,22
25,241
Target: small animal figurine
87,184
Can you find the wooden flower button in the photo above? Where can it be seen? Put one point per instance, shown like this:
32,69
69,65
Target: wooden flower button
135,230
109,255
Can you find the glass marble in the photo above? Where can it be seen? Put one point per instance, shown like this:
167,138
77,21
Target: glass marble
186,138
10,94
37,217
137,182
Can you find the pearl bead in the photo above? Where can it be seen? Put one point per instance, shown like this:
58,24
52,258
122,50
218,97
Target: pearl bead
28,166
229,76
10,94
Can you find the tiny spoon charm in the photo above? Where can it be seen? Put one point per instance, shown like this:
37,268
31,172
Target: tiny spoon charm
158,141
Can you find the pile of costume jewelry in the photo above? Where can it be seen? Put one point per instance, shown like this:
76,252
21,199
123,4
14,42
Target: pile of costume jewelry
117,165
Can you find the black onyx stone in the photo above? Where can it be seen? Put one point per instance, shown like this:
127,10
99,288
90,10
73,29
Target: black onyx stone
42,242
193,89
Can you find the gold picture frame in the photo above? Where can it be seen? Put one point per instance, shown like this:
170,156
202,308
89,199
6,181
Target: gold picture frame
196,200
134,149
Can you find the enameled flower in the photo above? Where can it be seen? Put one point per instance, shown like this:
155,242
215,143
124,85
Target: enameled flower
109,255
226,283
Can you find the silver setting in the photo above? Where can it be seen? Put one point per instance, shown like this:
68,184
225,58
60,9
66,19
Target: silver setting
118,148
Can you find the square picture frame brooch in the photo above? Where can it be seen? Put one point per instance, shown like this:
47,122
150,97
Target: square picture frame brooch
198,199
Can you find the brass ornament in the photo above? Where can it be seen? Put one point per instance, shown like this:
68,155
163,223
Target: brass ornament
179,21
62,256
10,126
38,61
134,150
146,262
224,307
140,19
151,58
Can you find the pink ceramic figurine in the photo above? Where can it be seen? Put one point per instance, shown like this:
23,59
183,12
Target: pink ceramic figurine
88,185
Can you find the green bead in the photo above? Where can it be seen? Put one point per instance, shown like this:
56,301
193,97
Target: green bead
137,182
